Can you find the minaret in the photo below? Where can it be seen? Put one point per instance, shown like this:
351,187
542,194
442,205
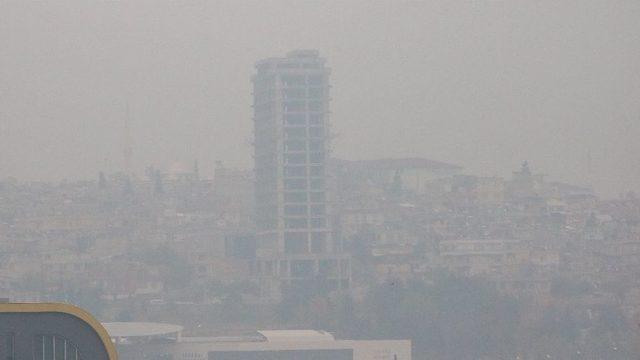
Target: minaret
589,168
128,144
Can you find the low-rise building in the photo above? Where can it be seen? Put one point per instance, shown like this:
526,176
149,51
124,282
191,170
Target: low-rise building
153,340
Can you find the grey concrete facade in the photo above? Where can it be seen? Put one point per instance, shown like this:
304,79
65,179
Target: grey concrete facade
296,241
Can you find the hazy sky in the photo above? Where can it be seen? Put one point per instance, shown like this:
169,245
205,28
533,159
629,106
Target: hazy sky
484,84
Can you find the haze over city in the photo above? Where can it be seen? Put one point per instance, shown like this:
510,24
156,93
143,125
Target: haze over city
320,180
482,84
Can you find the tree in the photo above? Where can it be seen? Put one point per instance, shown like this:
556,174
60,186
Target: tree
173,268
102,181
452,318
297,298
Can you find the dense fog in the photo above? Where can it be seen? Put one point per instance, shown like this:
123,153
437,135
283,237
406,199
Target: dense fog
350,180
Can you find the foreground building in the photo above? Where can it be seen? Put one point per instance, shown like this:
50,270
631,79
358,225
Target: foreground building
291,124
164,341
52,331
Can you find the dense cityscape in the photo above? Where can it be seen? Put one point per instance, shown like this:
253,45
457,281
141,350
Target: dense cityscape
413,249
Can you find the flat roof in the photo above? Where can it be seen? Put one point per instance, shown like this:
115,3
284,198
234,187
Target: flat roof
140,329
296,335
398,163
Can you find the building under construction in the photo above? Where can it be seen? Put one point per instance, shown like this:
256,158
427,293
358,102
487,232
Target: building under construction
291,122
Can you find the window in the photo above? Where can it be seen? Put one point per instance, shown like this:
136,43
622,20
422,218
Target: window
52,347
316,158
6,347
264,108
293,93
268,240
302,268
318,236
295,133
317,197
295,184
293,106
328,267
296,244
317,184
283,268
295,223
294,119
315,119
318,222
316,145
314,80
268,268
295,197
317,210
295,171
267,221
263,97
344,267
295,145
295,236
295,158
318,246
317,170
287,66
315,105
315,92
295,210
293,80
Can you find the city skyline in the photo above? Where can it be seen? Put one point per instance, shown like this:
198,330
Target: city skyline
344,180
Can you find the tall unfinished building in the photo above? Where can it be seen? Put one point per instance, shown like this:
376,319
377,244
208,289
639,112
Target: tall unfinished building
295,244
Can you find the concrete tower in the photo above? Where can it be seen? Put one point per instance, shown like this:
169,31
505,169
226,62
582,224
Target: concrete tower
291,122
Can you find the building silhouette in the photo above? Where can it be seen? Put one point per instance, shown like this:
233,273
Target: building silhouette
291,123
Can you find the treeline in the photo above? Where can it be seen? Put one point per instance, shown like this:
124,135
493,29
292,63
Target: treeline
451,317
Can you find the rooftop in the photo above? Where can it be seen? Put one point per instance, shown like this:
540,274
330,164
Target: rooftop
399,163
301,56
140,329
303,53
161,330
296,335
